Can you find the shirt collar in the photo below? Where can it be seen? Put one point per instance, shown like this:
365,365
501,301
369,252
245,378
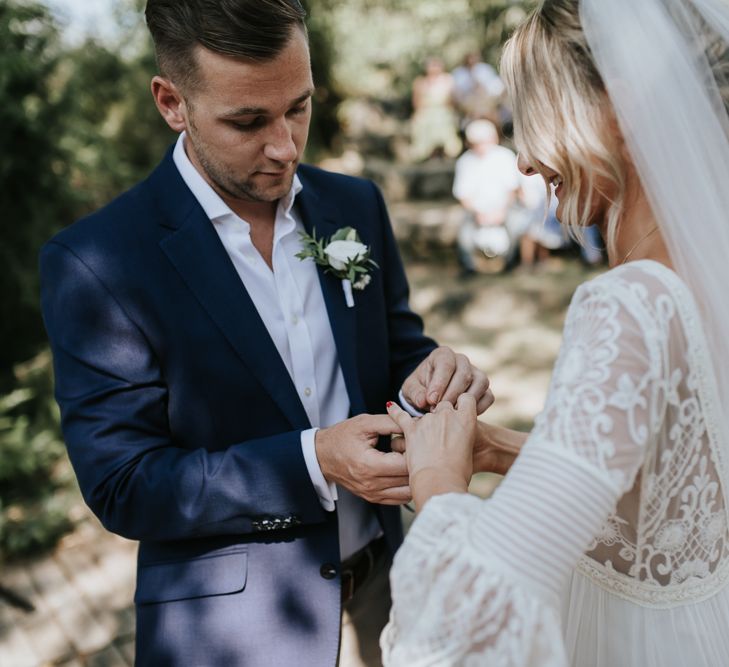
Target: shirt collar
210,201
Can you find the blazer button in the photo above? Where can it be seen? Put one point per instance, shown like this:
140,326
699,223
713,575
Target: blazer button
328,571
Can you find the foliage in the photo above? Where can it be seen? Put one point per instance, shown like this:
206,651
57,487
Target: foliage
34,474
34,196
379,45
324,122
77,127
115,135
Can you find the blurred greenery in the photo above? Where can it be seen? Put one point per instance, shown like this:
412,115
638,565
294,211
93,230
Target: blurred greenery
78,126
380,45
34,172
36,482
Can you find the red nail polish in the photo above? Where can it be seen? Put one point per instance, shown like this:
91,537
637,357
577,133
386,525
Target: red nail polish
388,404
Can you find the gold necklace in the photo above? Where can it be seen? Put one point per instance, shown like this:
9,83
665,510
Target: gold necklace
640,240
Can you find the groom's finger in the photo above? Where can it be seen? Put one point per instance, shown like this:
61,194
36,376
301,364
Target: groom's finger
485,402
392,481
398,495
381,424
467,405
397,444
443,361
414,387
461,379
385,464
479,389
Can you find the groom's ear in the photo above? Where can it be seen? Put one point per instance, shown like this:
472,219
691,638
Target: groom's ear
170,102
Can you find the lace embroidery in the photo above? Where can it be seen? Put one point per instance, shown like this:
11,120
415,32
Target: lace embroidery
666,543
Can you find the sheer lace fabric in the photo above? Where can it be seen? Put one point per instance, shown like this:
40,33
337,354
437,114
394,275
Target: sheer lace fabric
614,513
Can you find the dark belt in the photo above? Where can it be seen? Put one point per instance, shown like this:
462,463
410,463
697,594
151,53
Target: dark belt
359,566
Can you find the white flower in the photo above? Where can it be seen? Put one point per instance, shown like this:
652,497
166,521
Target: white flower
340,252
365,280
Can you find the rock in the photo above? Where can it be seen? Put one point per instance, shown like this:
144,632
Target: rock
431,180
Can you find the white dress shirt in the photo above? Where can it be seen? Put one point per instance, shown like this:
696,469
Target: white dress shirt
289,300
487,181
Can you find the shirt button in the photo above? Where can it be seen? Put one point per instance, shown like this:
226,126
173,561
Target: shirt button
295,319
307,392
328,571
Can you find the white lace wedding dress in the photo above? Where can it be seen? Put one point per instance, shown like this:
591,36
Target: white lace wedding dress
606,544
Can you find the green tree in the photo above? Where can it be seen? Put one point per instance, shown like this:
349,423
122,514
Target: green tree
325,127
77,127
35,198
377,47
115,135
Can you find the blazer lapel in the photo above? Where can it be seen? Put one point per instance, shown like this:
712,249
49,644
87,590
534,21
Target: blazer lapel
317,213
197,253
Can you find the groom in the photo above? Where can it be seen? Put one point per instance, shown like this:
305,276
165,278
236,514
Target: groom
214,387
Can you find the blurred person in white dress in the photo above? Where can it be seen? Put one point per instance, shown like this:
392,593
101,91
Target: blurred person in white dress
434,124
606,544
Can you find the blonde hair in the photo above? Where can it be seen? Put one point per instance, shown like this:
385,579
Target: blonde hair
562,114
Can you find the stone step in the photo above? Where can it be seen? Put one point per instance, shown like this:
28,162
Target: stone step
431,180
426,227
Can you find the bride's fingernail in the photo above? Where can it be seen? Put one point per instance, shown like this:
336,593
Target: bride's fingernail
388,404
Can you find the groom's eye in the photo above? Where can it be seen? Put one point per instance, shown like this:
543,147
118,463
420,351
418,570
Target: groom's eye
247,126
296,111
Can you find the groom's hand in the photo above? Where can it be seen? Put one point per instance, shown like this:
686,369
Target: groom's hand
444,376
347,456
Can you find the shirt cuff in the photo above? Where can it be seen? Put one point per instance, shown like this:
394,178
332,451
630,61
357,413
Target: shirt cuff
413,412
327,491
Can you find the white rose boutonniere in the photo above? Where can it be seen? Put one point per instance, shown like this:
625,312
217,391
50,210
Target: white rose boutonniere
344,256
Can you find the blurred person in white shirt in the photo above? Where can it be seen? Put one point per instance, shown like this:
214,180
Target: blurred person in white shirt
477,88
486,184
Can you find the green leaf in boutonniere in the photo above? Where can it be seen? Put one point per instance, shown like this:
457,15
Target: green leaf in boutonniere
343,255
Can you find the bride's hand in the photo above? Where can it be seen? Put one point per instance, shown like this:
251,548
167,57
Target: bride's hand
439,447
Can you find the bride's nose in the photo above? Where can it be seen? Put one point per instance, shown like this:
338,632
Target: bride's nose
524,166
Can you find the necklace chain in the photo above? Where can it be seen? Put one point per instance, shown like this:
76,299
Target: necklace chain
640,240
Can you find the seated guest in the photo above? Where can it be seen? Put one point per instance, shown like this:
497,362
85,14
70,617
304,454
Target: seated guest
486,184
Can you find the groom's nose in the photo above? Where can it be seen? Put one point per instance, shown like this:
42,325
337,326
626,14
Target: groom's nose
280,145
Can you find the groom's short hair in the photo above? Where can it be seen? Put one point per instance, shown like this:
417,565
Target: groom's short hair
253,30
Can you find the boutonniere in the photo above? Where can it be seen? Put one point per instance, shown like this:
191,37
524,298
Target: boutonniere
344,256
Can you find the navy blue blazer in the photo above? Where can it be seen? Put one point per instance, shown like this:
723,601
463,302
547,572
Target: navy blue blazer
183,425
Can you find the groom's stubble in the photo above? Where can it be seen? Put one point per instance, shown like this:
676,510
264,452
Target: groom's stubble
224,179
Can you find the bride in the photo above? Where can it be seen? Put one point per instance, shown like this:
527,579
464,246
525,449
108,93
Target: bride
606,544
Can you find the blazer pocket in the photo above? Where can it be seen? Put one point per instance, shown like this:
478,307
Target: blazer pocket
215,574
